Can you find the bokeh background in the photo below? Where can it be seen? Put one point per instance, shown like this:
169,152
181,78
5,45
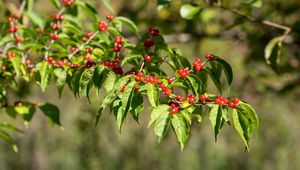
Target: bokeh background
81,146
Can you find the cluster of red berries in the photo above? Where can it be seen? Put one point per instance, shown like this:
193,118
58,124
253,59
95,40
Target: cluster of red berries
87,36
13,28
113,63
102,26
191,99
13,18
153,31
53,36
57,17
204,99
19,40
60,63
110,17
221,100
10,55
68,2
184,72
139,76
198,65
151,79
234,103
118,43
165,89
209,57
174,108
55,26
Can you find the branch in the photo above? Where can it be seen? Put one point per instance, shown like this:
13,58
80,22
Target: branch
269,23
22,7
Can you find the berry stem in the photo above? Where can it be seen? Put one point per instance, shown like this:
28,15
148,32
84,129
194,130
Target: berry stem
83,45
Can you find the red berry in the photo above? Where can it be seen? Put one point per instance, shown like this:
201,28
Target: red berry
90,49
230,104
3,68
19,40
236,100
191,99
110,17
41,30
209,56
183,72
53,36
148,42
147,59
89,35
28,62
153,31
88,57
119,39
235,105
13,29
10,19
171,80
68,2
55,26
202,97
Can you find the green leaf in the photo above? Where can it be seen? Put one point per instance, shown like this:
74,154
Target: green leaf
5,40
226,68
109,97
188,11
10,127
16,62
88,8
161,125
254,3
250,113
156,112
75,82
61,76
225,115
197,112
27,110
56,3
153,94
163,2
43,74
8,139
110,81
99,76
181,128
126,103
129,23
273,52
242,126
194,83
215,117
107,4
51,111
35,19
214,78
137,106
131,57
86,81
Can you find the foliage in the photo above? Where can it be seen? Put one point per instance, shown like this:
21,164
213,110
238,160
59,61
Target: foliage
57,50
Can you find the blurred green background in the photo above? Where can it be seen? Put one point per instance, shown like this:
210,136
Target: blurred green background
81,146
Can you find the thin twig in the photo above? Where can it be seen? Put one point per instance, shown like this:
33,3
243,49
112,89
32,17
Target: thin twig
252,19
22,7
83,45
